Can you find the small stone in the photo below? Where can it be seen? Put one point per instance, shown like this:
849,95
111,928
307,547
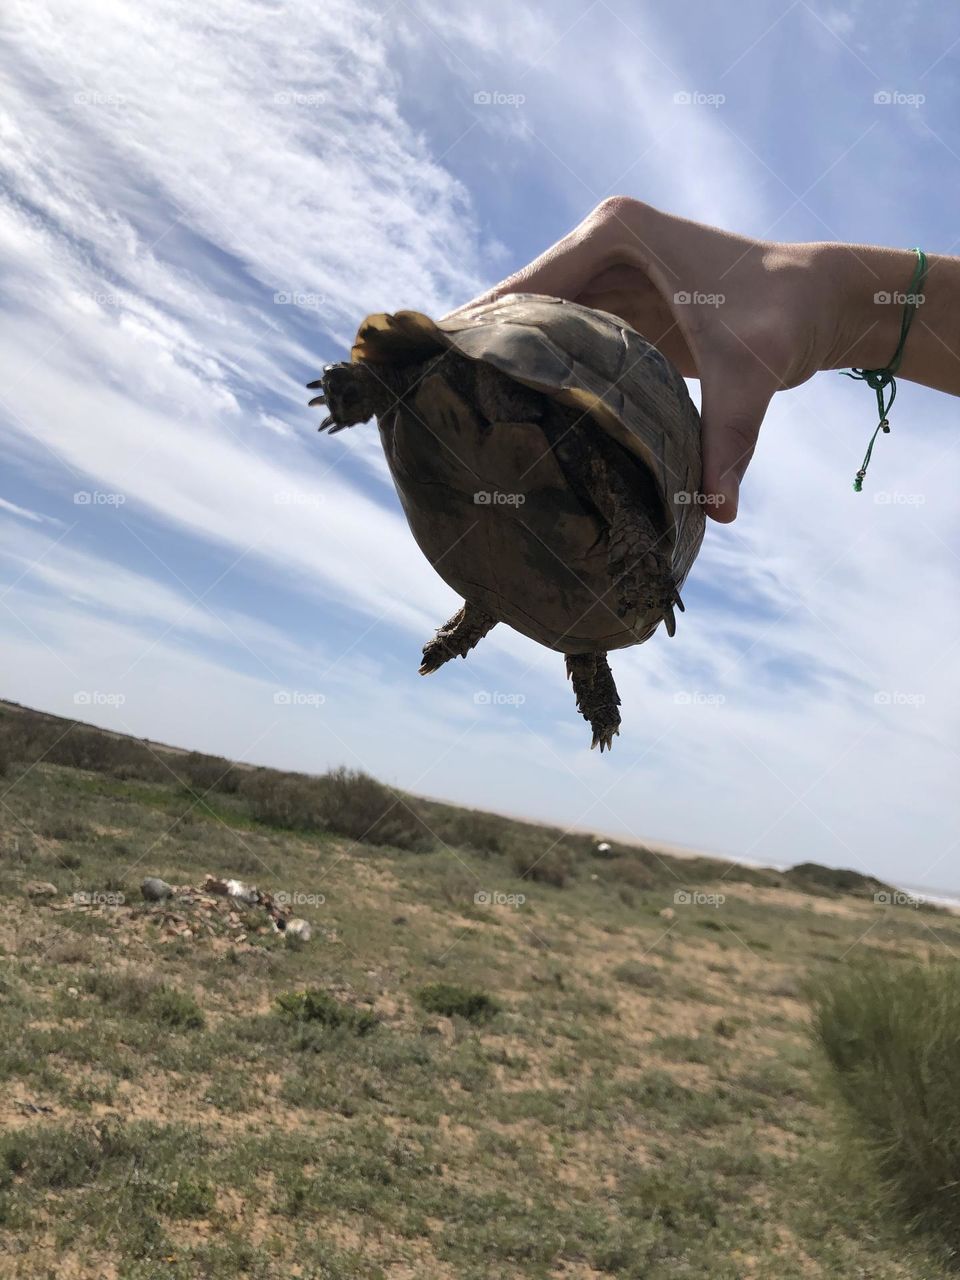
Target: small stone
298,928
155,890
399,920
73,992
667,913
40,889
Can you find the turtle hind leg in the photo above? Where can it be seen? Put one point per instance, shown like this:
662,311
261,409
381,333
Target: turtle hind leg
457,637
596,694
355,392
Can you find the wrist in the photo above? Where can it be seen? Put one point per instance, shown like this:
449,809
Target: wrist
863,290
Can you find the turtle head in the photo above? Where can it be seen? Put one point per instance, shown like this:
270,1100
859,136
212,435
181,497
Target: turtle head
355,392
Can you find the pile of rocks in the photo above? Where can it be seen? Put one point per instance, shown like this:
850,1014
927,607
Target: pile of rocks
218,908
221,906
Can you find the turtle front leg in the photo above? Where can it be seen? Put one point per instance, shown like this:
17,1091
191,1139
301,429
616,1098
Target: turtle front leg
355,392
596,694
639,567
457,637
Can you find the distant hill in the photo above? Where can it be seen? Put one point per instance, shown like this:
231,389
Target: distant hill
350,803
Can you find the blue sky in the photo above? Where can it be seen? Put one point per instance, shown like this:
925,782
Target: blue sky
197,208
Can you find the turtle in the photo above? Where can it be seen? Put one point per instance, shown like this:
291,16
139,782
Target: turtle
547,458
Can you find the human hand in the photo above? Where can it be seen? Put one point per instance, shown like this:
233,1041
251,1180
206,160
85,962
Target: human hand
747,317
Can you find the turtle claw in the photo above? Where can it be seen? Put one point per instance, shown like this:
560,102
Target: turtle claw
434,656
678,602
312,386
603,738
321,399
328,422
670,620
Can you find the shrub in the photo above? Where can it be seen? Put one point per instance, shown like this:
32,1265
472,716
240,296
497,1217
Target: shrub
645,977
143,996
317,1006
286,800
891,1034
345,802
203,773
356,805
468,829
550,867
450,1000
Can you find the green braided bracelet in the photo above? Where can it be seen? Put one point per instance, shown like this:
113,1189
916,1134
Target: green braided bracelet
879,379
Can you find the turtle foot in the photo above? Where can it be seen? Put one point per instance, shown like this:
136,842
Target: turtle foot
354,393
456,638
597,697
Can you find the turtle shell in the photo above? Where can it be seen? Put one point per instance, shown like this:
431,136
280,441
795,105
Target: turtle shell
490,507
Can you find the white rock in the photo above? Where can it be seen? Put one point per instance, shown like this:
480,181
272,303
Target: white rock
298,928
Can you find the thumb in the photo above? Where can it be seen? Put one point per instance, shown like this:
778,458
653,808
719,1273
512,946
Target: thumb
733,407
